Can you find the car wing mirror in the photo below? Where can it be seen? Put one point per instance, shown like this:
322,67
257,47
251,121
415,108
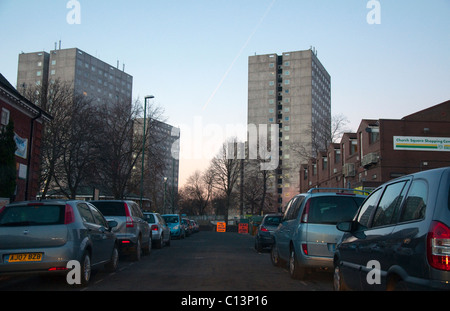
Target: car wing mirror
112,224
345,226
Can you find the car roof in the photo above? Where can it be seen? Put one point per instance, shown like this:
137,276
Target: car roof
337,191
43,202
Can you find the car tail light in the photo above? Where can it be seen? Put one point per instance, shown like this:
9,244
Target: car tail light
305,248
57,269
305,212
438,250
129,220
154,227
69,217
264,229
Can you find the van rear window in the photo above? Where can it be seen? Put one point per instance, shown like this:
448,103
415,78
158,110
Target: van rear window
333,209
32,215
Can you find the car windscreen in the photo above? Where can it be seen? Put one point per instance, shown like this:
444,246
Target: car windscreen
333,209
110,208
171,219
32,215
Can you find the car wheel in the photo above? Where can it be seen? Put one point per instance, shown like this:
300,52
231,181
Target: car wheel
275,257
85,269
338,282
114,261
160,242
258,246
295,270
148,249
137,251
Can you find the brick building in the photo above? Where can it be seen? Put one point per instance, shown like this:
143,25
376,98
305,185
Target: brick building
381,150
28,121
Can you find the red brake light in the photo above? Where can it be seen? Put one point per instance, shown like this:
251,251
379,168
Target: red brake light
305,248
69,217
129,221
438,250
264,229
304,218
155,227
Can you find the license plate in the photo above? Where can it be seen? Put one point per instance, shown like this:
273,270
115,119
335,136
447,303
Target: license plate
25,257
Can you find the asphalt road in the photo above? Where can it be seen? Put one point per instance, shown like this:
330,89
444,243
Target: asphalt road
205,261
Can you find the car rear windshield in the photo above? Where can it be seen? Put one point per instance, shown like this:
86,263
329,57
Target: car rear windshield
333,209
272,220
150,218
111,208
171,219
32,215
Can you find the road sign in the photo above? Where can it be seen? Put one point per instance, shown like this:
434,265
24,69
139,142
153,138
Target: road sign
243,228
221,227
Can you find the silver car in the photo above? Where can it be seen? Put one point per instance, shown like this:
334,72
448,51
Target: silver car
133,233
43,236
307,235
160,230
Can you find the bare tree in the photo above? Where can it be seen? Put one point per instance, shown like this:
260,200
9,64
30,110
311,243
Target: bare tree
225,167
55,98
121,145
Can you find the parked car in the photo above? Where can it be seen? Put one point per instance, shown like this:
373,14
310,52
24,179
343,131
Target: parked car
43,236
160,230
195,227
400,237
175,225
132,231
307,235
187,226
264,234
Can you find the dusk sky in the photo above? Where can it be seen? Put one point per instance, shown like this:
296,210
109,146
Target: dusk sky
192,55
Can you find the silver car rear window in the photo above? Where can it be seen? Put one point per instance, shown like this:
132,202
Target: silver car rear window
32,215
333,209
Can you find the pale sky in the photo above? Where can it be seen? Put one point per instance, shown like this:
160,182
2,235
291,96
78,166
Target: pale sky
192,55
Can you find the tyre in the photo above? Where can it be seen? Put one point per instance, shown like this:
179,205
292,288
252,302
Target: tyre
85,269
295,270
338,281
159,244
137,250
113,263
275,257
148,249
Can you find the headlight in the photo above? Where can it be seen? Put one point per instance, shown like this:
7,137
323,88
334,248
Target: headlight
176,227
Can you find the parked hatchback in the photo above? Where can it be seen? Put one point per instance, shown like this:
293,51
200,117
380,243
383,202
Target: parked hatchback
400,237
132,231
43,236
307,235
160,230
264,234
175,225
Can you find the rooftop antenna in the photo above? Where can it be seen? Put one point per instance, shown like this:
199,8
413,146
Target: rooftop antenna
60,44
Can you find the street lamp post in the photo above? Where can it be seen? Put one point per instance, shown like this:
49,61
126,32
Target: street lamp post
143,146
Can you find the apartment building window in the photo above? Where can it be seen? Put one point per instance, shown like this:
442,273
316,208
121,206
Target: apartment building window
271,101
271,65
271,83
52,72
287,82
287,72
4,117
53,62
39,73
39,64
